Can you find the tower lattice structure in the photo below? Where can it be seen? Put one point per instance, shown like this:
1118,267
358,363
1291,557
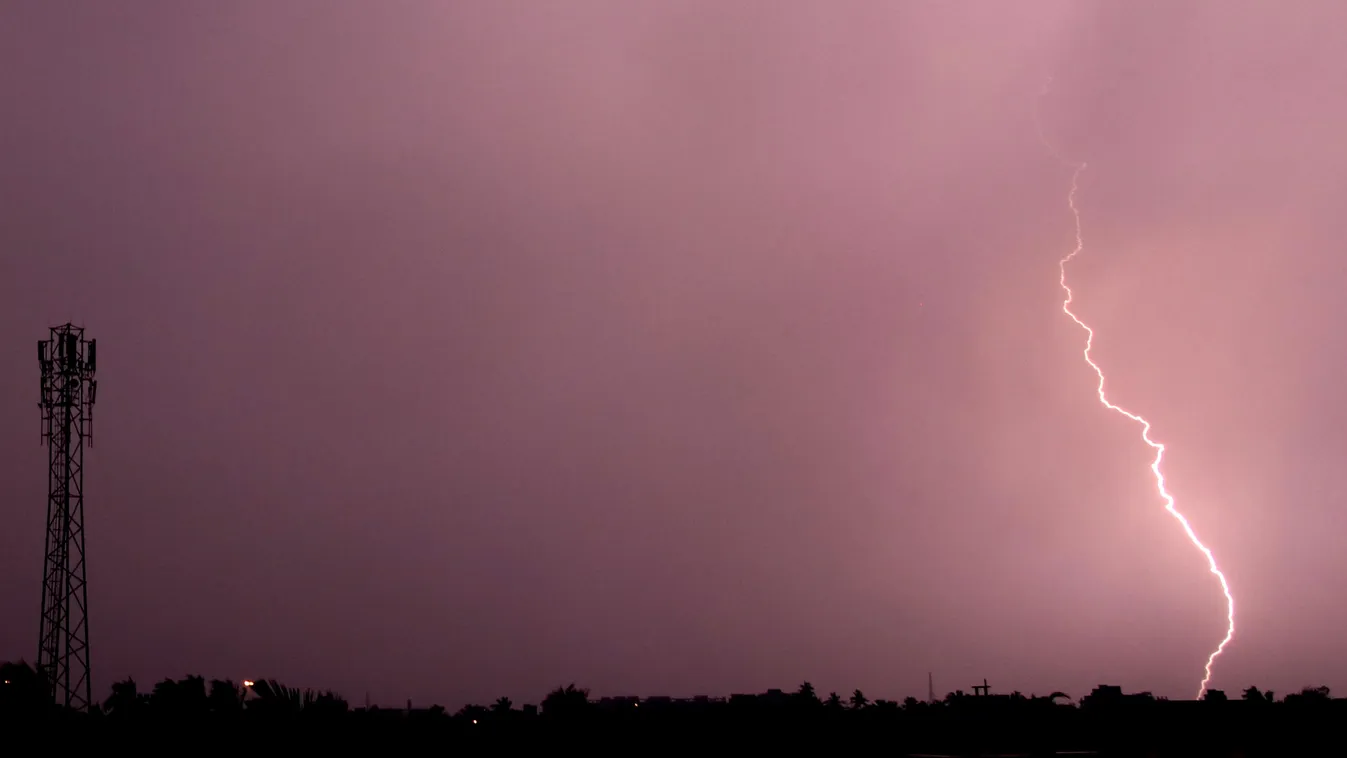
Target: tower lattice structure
68,361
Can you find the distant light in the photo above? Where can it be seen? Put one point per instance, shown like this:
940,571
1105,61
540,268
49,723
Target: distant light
474,721
636,705
6,681
248,682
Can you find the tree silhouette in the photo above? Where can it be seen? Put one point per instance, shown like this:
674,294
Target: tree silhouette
276,700
181,698
125,700
224,697
806,694
1310,695
963,724
324,704
1253,695
566,702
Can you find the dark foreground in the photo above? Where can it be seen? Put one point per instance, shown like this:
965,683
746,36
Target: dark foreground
1165,730
179,714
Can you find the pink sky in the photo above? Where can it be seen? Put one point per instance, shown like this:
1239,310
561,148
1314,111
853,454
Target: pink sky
459,350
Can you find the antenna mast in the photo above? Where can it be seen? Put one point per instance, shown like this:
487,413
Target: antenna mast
67,361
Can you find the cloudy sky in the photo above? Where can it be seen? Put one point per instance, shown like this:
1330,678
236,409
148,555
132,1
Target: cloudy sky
452,350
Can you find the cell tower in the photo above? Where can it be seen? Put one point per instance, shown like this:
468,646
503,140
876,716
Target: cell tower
68,389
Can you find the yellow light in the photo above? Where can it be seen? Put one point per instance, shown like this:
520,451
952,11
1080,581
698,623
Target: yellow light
474,721
248,682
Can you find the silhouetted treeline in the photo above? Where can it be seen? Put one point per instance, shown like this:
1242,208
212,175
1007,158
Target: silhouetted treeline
1105,722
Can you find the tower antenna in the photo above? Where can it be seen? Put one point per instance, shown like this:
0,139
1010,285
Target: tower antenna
67,361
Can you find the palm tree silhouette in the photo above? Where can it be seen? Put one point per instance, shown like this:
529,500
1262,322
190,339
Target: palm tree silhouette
806,694
566,701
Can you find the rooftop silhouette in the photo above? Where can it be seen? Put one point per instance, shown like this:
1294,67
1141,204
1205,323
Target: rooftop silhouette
1106,721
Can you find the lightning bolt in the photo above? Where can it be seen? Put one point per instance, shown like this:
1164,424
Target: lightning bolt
1076,170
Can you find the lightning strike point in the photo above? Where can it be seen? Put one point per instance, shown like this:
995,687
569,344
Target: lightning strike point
1077,169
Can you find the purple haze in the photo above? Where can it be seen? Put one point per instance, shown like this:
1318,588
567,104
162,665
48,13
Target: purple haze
459,350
